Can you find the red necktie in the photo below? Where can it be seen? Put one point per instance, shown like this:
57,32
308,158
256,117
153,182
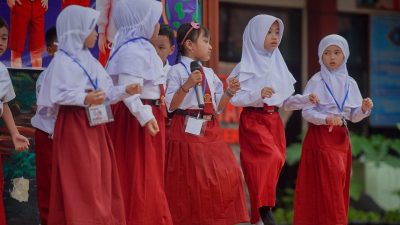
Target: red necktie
163,108
208,104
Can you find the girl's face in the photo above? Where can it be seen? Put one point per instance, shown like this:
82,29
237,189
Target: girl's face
201,48
332,57
3,40
90,41
271,41
163,47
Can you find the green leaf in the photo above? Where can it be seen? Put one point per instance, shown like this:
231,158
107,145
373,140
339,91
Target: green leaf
293,154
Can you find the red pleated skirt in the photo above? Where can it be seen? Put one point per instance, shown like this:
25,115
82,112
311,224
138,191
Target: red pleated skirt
323,181
262,154
43,149
204,183
84,184
141,162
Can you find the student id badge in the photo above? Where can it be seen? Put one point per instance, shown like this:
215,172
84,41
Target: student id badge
195,125
99,114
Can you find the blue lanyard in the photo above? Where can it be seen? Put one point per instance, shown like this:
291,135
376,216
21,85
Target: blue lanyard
341,108
126,42
94,83
204,80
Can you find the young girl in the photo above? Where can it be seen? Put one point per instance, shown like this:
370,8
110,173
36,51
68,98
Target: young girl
322,188
266,84
140,153
203,181
20,142
84,183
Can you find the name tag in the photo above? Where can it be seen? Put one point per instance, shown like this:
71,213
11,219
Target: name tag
195,126
99,114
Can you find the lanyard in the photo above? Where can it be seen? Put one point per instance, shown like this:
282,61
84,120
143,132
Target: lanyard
126,42
340,107
94,83
204,80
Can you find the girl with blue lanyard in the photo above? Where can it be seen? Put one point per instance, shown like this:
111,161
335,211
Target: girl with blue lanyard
77,91
322,188
138,133
203,180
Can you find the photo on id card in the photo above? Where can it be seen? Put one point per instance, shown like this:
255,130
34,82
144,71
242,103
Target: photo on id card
99,114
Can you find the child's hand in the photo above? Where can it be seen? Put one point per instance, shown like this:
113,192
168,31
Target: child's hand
267,92
152,127
95,98
20,142
313,98
102,43
333,121
11,3
234,85
367,105
133,89
45,4
194,79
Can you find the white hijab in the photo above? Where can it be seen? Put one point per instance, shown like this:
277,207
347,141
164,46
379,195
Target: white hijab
338,81
74,25
134,19
269,68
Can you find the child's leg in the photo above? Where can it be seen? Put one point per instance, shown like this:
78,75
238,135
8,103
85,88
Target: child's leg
266,215
36,36
16,61
19,20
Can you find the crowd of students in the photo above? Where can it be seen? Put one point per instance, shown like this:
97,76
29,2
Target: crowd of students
107,154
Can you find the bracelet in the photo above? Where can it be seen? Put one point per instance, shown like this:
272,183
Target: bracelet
185,91
229,93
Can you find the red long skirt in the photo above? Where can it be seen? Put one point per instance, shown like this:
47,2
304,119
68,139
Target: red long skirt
84,184
262,154
141,161
204,183
43,149
323,181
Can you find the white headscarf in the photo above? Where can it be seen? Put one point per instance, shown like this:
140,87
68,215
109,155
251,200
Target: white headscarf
74,25
134,19
268,67
338,80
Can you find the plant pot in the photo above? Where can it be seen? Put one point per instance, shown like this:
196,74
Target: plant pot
21,213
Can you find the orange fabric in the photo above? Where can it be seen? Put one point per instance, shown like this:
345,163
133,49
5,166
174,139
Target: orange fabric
323,181
262,153
203,181
141,161
84,184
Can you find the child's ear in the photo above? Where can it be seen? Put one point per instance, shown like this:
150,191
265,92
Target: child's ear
171,50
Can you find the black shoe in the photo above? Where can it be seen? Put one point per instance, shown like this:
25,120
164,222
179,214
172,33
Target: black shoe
266,216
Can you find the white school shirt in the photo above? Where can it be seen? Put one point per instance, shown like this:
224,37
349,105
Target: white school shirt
178,75
150,90
45,117
6,89
317,114
106,22
70,88
250,95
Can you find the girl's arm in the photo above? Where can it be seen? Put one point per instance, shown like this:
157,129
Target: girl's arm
297,102
358,114
20,142
181,92
233,87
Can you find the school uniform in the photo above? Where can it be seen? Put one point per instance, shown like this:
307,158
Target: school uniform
6,94
323,181
261,131
27,18
140,156
65,3
43,120
203,180
106,26
84,184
